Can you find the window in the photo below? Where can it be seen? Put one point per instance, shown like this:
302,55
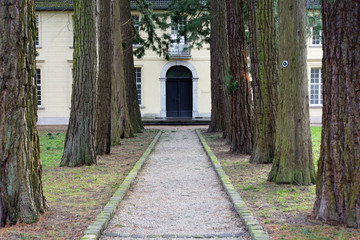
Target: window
37,38
178,46
73,31
136,21
315,87
316,37
136,24
38,84
176,27
138,83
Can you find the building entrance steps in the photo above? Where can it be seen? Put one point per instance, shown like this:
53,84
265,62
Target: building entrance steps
177,195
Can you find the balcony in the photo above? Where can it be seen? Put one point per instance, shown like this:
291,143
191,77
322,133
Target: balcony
179,51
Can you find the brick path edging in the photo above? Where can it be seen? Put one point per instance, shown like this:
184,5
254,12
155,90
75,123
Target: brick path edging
253,226
95,229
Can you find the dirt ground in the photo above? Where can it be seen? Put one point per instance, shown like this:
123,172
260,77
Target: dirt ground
283,210
75,196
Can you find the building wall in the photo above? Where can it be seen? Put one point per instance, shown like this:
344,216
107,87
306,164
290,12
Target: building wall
314,60
55,62
152,66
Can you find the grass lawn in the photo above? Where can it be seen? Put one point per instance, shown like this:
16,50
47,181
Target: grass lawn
75,196
283,210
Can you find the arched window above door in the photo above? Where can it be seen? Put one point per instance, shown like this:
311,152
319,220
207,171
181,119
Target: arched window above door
179,72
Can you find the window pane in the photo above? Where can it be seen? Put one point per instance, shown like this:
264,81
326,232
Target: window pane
316,38
37,41
138,83
38,83
315,86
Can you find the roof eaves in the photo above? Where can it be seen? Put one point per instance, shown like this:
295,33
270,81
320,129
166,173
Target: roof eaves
313,4
54,5
67,5
156,4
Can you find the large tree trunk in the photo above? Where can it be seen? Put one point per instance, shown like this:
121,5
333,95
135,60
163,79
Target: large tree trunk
120,120
127,32
338,177
293,161
219,65
263,52
103,101
255,64
238,83
80,136
21,193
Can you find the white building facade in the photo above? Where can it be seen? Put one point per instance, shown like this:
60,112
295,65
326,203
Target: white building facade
179,87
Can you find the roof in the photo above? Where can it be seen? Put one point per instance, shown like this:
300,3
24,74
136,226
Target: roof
67,5
156,4
54,5
313,4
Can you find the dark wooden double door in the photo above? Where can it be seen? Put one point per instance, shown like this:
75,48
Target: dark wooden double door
179,99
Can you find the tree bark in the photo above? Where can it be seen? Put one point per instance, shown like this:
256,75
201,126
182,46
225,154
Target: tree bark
103,106
264,60
80,136
338,179
120,120
219,65
129,70
21,193
254,45
293,161
238,84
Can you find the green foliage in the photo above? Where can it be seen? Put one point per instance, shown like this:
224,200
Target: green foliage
316,141
196,30
52,146
313,23
231,84
197,27
149,23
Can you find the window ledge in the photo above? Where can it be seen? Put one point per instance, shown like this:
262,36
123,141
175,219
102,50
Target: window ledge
71,47
136,45
142,107
40,107
38,47
315,46
316,106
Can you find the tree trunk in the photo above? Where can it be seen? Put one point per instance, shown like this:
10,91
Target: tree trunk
252,5
103,106
21,193
263,50
238,83
80,137
338,179
127,32
219,65
293,161
120,121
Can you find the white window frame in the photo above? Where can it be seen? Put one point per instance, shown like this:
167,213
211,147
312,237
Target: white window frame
136,23
37,38
72,20
316,40
316,87
141,100
39,85
174,30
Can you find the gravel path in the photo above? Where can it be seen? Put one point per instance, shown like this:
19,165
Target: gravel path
176,195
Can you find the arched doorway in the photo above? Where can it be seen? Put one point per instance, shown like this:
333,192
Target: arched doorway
179,92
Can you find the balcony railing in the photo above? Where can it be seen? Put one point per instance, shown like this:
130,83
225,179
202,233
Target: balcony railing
178,50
